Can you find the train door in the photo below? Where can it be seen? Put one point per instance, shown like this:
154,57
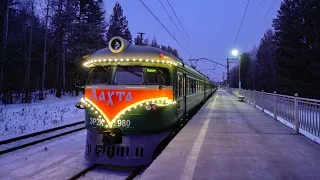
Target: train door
180,97
184,80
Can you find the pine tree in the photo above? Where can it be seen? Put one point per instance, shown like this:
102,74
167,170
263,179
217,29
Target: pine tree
118,25
312,31
170,50
245,64
154,42
265,63
127,34
291,58
146,41
137,40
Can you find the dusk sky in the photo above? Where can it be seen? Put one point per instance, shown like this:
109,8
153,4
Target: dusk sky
212,26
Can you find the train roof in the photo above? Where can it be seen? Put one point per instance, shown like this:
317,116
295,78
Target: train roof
135,53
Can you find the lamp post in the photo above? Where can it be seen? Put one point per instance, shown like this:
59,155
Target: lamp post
235,53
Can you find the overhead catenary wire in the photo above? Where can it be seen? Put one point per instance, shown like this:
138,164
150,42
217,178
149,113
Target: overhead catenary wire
254,20
183,27
163,26
267,14
244,14
255,16
176,27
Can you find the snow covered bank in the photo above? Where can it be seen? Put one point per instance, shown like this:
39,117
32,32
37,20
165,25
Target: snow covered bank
19,119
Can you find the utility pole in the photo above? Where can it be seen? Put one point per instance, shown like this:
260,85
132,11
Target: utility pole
228,74
141,37
239,75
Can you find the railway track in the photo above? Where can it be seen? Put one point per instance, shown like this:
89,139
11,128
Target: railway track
20,142
130,174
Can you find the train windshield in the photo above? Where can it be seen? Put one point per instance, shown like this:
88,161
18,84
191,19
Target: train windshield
99,75
157,75
129,75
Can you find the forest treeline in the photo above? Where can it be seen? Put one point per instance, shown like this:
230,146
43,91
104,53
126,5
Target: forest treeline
287,59
43,44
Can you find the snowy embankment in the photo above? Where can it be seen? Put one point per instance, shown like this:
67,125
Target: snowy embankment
20,119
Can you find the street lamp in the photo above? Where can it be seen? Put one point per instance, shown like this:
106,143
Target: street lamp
235,53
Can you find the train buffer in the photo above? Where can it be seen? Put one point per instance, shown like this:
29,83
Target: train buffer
221,142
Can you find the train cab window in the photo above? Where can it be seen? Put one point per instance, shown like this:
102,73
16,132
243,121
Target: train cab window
99,75
129,75
158,76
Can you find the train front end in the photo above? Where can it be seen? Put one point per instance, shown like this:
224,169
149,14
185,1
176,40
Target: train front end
129,104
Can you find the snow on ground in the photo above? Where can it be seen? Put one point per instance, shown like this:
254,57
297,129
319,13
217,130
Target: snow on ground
20,119
59,159
105,172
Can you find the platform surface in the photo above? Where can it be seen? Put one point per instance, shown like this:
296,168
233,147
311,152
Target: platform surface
228,139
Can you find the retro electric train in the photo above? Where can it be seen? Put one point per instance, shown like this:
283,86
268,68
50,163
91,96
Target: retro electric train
134,97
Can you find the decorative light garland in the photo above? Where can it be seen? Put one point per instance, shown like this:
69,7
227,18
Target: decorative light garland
162,101
88,63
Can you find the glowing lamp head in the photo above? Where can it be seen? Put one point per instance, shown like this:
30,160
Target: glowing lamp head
234,52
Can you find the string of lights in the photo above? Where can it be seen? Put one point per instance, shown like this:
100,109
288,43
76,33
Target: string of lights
163,26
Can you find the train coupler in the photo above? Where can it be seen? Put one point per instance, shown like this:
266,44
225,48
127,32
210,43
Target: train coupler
112,136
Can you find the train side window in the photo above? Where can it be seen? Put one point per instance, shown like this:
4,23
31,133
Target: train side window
193,84
188,87
192,90
197,86
183,85
180,86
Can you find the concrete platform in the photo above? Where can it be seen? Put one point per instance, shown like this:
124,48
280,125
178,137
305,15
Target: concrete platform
228,139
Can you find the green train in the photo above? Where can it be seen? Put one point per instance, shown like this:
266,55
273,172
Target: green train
135,96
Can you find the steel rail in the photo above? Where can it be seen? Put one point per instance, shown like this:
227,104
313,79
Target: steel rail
39,133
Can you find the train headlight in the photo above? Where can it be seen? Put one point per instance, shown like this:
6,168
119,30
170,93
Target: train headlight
118,44
148,107
80,105
151,107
